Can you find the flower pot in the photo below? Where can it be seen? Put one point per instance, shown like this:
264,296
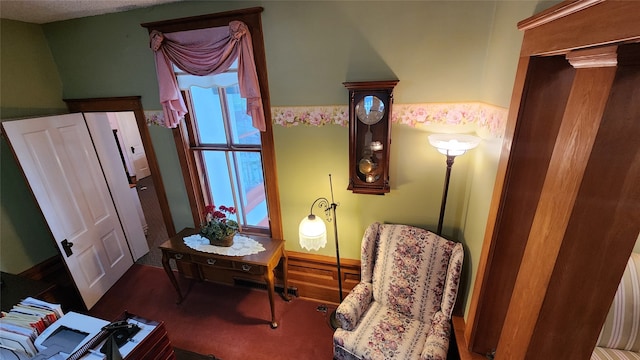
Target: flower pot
225,241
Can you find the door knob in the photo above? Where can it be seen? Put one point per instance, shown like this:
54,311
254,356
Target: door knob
66,245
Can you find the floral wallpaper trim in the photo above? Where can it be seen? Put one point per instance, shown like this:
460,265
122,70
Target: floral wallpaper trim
310,115
154,117
486,120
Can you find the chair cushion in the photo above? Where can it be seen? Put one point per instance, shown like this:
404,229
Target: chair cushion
613,354
410,270
383,334
621,329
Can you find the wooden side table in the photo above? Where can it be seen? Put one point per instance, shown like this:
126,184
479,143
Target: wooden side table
256,266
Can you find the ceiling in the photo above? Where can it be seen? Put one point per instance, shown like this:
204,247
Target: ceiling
45,11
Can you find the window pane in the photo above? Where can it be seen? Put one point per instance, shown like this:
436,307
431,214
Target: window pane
208,115
251,182
242,130
248,196
217,172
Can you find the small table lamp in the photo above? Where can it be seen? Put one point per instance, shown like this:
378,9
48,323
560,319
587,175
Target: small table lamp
451,145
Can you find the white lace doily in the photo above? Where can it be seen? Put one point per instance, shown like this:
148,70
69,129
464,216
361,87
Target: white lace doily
242,246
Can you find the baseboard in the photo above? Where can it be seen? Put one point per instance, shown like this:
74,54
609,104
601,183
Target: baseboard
53,271
463,348
316,276
51,268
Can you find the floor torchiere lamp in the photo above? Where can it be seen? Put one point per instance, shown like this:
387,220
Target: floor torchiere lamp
313,236
451,145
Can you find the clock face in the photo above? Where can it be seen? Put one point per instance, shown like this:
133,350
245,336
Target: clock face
370,110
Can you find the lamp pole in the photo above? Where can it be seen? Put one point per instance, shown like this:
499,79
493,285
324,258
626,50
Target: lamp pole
445,191
450,145
335,235
313,236
333,206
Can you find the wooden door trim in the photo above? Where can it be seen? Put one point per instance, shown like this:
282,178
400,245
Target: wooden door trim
561,30
132,103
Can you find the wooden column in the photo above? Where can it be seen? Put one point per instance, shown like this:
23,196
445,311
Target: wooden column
548,88
565,212
571,155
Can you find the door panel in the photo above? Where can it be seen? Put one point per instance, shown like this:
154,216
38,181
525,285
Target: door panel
125,198
113,251
58,159
133,143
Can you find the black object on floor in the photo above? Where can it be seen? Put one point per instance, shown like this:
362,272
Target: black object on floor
189,355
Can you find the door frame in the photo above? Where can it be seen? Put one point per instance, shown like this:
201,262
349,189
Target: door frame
132,103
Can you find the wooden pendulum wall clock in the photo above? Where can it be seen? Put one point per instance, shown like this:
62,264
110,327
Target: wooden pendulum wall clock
369,135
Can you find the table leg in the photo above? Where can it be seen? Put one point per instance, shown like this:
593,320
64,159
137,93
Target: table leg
171,275
285,272
269,277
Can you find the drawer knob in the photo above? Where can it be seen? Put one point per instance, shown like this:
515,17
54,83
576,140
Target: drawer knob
178,256
211,261
246,267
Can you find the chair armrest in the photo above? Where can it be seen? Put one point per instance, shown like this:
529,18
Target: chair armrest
351,308
436,345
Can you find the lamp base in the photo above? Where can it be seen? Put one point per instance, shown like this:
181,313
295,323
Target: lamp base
333,321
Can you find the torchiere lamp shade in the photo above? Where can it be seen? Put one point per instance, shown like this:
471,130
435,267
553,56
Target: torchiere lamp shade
453,144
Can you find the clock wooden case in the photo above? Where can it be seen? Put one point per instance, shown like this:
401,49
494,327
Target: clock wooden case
370,105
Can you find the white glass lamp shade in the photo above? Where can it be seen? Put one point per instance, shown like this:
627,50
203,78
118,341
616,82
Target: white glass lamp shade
453,144
312,233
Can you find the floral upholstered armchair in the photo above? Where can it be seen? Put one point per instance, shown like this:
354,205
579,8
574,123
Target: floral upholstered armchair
620,335
401,309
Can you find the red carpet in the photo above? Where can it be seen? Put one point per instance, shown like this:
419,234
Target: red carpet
228,322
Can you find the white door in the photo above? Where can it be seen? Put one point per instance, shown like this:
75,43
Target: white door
125,198
59,161
133,143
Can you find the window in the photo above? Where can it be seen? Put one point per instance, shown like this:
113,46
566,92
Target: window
224,159
227,148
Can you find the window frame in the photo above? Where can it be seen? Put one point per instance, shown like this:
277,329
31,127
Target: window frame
193,182
197,149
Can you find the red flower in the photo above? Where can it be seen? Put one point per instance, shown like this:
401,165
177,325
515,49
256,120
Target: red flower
230,209
219,215
209,209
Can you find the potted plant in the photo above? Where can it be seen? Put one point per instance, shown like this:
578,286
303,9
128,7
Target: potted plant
217,228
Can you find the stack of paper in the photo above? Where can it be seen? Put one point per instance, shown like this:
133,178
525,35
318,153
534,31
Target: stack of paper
20,326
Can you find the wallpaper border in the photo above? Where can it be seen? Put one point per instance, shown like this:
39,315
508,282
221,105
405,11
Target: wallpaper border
487,121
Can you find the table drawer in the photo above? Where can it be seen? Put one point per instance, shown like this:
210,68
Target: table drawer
209,261
249,268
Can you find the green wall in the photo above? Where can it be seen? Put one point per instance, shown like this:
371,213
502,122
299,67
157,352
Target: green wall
30,86
497,83
441,51
436,50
